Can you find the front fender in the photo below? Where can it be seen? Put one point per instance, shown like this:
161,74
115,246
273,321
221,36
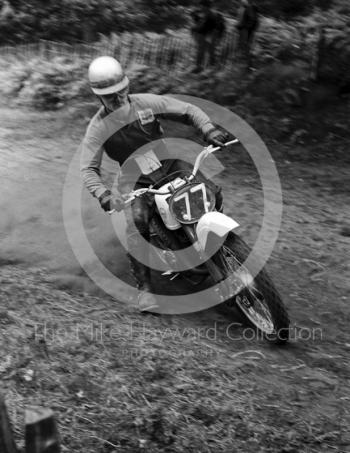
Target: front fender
217,223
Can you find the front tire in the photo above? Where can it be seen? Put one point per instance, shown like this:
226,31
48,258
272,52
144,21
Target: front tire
259,302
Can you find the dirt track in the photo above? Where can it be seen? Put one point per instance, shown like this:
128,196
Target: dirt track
304,387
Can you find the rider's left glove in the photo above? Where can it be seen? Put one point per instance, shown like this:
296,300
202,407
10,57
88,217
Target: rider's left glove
109,202
217,138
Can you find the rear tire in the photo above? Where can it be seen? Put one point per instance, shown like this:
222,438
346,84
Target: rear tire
262,286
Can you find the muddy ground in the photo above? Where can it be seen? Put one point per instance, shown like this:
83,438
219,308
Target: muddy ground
174,383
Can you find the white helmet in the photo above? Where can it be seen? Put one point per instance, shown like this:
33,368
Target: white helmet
106,76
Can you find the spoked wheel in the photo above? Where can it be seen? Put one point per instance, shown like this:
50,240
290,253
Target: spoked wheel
252,304
259,301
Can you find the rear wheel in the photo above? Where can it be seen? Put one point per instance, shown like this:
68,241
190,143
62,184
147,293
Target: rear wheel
259,301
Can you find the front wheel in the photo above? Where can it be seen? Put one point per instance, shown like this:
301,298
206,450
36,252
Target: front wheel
259,301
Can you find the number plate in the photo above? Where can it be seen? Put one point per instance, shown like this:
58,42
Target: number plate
191,202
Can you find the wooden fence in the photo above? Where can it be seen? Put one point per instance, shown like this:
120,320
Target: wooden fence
41,434
155,50
150,49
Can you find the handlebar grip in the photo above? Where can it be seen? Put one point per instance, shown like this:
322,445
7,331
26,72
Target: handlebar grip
126,203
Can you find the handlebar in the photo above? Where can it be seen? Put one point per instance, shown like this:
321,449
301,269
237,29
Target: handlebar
200,158
205,153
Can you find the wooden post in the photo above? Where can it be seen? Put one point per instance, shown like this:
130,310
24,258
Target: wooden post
7,443
318,58
41,434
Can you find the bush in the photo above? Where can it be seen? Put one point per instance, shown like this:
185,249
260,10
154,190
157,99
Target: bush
279,40
13,78
335,59
289,9
282,57
83,20
45,85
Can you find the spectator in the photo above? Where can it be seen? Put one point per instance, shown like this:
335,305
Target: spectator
248,22
207,31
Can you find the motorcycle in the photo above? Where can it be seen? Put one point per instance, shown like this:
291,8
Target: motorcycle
185,216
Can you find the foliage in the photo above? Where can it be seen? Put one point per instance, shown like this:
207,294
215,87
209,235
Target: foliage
83,19
285,9
335,59
283,52
78,20
46,85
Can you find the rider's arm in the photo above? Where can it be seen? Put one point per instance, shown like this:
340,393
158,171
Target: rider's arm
90,164
174,109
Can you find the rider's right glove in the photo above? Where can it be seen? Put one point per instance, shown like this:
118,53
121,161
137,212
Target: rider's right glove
216,137
109,202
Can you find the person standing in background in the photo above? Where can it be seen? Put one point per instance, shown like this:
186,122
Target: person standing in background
247,24
208,28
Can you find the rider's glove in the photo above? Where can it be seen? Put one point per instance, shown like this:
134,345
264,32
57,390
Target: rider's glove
109,202
216,137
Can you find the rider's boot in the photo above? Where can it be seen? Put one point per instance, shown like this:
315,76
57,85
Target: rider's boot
142,275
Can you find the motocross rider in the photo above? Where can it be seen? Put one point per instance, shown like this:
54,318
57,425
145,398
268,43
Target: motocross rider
140,115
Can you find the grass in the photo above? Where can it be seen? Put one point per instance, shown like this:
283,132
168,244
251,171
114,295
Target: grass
120,382
147,377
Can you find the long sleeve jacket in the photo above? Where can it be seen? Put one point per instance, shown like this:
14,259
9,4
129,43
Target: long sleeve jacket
120,133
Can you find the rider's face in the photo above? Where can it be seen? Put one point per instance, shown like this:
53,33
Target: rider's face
114,101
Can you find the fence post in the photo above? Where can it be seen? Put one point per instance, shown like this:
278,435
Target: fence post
318,57
7,443
41,434
230,48
156,47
